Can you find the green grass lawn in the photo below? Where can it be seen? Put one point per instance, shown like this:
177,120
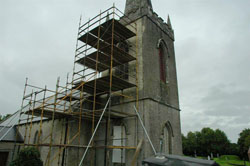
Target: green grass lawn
229,160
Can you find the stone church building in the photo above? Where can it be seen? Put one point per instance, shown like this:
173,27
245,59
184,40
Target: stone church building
79,134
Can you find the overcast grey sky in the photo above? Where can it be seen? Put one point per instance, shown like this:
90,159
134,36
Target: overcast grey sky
37,40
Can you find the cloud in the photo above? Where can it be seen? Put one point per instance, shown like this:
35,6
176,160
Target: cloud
213,64
212,51
226,101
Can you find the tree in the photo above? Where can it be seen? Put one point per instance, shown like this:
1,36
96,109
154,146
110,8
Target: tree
199,149
221,142
233,149
185,144
189,144
2,118
243,142
247,141
205,142
28,157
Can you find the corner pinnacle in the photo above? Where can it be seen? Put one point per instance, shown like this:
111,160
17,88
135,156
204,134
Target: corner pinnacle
169,22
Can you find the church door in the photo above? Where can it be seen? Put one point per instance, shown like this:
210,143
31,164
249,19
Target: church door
4,158
167,144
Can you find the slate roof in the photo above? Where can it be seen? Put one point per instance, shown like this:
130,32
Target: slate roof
11,136
170,160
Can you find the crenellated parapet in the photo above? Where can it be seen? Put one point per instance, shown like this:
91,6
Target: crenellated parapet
164,26
136,9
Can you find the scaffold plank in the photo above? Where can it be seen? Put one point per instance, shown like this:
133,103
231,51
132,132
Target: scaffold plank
86,114
103,85
121,32
119,57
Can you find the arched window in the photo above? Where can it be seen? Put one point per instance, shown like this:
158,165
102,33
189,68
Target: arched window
167,138
35,141
37,137
162,60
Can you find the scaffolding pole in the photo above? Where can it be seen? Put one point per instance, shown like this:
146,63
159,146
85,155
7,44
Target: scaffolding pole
87,98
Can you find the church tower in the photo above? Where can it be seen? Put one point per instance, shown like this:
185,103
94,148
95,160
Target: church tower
158,89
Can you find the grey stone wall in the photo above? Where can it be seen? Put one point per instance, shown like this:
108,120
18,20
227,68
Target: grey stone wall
158,101
73,154
32,137
7,147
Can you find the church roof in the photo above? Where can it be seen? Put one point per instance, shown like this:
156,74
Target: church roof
14,118
11,134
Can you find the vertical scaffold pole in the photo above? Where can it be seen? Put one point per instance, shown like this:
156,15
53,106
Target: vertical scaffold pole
27,121
74,67
41,120
96,74
80,121
19,120
53,121
85,53
32,117
63,124
137,82
110,86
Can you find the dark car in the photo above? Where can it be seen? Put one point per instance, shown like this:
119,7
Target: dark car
174,160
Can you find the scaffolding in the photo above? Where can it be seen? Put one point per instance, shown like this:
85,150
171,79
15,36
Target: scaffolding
105,67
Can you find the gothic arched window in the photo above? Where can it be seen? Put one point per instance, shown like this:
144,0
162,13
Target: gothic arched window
162,65
35,141
167,133
37,138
